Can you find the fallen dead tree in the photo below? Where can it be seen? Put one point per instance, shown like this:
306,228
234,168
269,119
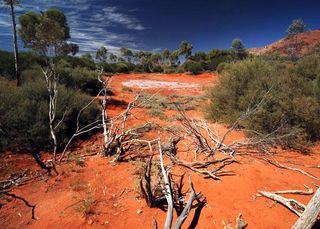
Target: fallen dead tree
310,214
168,193
307,214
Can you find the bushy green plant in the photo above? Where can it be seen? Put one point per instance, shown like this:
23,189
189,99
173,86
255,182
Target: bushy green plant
79,78
291,96
193,67
120,68
169,70
24,115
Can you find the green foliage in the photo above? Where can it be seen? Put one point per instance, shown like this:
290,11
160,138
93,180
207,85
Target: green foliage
27,60
293,100
24,115
238,48
193,67
120,67
297,26
44,32
79,78
185,48
101,54
222,66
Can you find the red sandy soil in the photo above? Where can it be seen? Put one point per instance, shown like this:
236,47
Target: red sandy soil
310,40
112,187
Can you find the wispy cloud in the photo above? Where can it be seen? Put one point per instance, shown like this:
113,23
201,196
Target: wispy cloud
91,24
113,14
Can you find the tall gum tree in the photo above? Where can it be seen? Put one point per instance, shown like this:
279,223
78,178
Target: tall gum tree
11,4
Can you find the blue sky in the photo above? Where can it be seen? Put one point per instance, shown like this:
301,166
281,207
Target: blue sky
157,24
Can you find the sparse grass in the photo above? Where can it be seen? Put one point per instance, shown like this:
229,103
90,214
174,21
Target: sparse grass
87,204
127,89
161,102
157,113
78,160
77,185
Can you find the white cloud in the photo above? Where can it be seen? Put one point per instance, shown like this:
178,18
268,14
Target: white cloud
113,14
91,25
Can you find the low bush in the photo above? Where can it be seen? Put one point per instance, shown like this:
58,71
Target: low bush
24,123
79,78
292,96
193,67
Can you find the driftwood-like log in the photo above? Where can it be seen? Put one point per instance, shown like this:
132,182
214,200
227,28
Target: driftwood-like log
277,164
310,214
291,204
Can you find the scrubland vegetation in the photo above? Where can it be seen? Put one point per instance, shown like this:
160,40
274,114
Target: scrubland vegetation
60,95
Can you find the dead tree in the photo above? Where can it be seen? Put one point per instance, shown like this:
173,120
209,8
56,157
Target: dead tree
168,192
310,214
51,83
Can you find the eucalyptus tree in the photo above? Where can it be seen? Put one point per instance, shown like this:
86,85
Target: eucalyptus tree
174,57
113,58
11,4
185,49
101,54
166,55
297,26
126,53
46,33
238,47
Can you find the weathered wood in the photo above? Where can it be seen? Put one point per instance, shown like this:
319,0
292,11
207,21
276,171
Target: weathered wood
291,204
310,214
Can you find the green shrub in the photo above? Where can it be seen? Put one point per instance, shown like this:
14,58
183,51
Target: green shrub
193,67
292,102
120,68
79,78
221,67
169,70
24,115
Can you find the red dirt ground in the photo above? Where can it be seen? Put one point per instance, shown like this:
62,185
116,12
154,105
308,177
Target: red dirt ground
110,188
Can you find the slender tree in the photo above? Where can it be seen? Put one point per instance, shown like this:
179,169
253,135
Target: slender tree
185,49
11,4
165,55
297,26
101,54
238,47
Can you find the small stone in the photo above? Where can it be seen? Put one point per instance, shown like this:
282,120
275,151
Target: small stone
115,205
139,211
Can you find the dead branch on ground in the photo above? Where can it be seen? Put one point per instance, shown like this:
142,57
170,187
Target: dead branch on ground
167,190
215,173
279,165
291,204
310,214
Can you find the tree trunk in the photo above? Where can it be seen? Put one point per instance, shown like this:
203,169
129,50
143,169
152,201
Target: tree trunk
310,214
15,46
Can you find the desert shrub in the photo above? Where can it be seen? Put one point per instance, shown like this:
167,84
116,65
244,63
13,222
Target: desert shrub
156,68
74,62
214,63
24,115
169,70
120,68
27,60
291,103
221,67
193,67
79,78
